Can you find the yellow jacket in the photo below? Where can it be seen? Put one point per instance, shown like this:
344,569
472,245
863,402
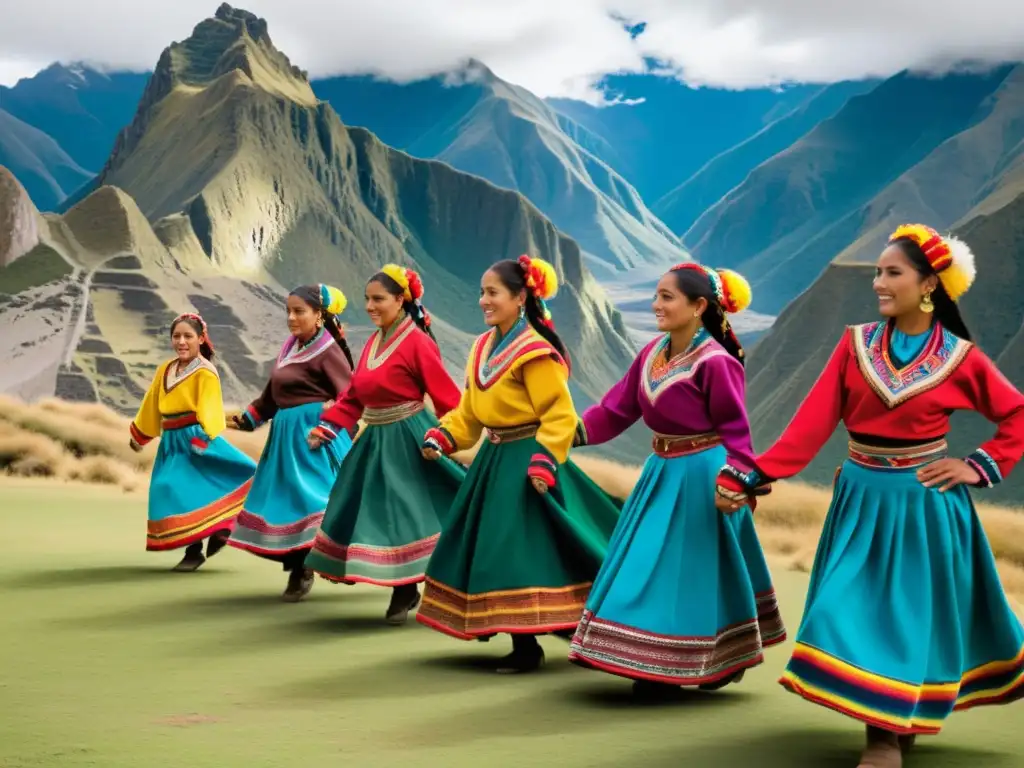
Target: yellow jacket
198,392
525,383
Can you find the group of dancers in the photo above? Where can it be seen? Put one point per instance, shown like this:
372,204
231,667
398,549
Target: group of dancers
905,617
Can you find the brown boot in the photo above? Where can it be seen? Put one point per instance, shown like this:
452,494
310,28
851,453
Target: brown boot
193,558
882,751
403,599
907,742
300,581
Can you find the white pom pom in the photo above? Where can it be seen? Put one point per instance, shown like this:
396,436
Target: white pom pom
963,258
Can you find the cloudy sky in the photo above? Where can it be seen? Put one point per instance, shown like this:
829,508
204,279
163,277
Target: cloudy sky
552,47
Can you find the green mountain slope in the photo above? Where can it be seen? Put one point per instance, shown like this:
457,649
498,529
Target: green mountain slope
795,212
38,162
503,133
232,185
785,364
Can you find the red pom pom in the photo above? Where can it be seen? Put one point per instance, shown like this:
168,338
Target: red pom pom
415,284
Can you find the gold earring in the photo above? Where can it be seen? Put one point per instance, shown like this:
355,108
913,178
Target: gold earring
926,304
696,314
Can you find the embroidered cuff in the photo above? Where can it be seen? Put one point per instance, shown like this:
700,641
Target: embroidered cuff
748,481
199,445
324,431
440,439
542,467
137,435
985,466
580,436
251,419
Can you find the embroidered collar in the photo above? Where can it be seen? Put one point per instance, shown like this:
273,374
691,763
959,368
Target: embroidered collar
382,345
495,357
173,377
659,373
940,356
294,352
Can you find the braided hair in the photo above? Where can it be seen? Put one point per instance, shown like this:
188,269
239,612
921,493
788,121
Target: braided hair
538,280
329,302
725,291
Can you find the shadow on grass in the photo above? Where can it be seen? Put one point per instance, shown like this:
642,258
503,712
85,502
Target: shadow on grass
619,695
61,578
823,748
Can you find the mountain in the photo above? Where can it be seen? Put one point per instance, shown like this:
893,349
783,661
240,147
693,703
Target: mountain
480,124
233,184
661,131
875,162
785,364
682,206
38,162
81,108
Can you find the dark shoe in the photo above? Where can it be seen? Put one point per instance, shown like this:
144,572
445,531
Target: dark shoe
906,742
300,581
216,543
733,678
882,750
193,558
403,600
526,656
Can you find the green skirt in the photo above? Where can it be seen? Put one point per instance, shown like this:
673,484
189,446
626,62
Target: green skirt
514,560
384,514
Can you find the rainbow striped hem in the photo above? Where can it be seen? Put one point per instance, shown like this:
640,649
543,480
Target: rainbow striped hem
383,566
897,706
181,530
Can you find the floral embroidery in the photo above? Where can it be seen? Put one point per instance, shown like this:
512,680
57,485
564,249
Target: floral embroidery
659,374
293,352
400,332
939,357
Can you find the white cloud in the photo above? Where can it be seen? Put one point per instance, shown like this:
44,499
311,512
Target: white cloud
552,47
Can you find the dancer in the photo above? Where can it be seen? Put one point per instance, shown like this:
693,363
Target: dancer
286,503
905,619
199,479
685,596
383,517
528,530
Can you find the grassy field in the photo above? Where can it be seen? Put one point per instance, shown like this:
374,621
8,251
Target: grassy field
110,660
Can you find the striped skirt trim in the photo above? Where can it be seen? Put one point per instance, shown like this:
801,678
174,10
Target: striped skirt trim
254,534
531,610
182,530
892,704
384,566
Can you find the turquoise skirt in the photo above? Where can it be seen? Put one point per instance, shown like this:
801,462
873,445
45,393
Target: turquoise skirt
286,504
685,596
197,485
905,619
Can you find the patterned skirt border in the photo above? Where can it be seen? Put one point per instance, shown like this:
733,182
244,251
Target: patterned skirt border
530,610
383,566
896,706
254,534
181,530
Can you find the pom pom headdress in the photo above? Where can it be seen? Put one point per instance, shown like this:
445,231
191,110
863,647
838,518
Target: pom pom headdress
541,282
332,300
411,284
949,257
730,288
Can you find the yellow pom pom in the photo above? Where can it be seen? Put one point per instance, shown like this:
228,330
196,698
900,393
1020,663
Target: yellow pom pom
549,280
959,276
336,301
397,274
736,289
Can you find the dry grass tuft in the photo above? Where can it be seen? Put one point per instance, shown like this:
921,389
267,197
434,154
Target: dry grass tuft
87,442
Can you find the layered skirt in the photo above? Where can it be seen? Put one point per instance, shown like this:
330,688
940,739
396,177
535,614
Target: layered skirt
289,492
197,485
905,620
384,516
510,559
685,596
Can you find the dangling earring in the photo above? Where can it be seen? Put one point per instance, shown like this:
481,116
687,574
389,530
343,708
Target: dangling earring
522,311
926,304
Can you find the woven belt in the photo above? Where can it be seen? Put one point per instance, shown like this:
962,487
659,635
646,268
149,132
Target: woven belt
673,446
510,434
902,457
179,421
392,414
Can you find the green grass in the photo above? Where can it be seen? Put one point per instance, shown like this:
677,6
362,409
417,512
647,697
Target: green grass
110,660
39,266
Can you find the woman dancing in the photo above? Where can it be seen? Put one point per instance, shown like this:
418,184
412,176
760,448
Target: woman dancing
199,479
685,596
528,530
286,503
905,619
383,517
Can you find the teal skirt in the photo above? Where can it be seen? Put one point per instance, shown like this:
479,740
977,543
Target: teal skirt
905,620
685,596
387,507
197,485
286,503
